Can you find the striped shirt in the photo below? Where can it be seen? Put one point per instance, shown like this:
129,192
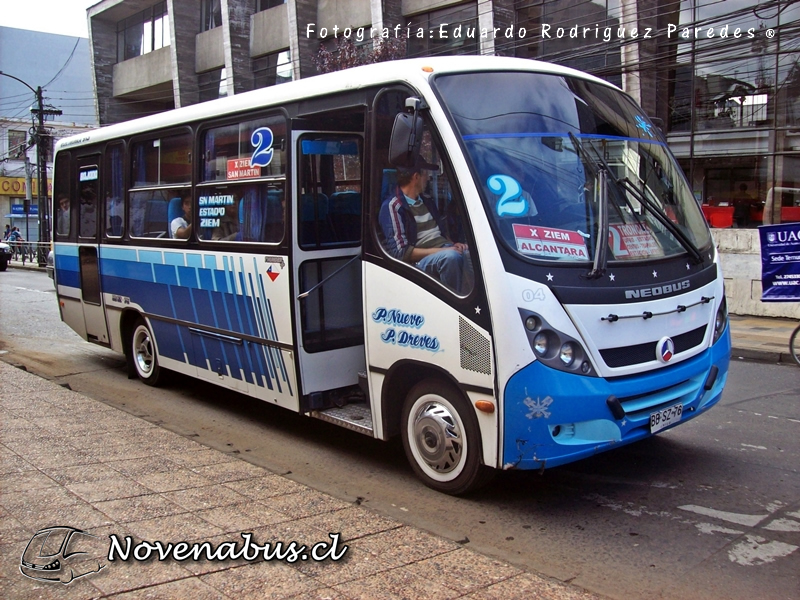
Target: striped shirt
428,233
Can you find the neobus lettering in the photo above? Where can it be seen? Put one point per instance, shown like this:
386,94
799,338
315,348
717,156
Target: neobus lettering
658,290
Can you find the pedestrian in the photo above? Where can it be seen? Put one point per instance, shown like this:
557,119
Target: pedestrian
15,240
7,232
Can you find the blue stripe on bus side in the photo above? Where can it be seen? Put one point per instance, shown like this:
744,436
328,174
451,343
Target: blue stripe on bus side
174,258
165,274
68,268
192,287
128,254
155,257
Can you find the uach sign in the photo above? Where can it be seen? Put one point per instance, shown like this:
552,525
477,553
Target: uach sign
780,262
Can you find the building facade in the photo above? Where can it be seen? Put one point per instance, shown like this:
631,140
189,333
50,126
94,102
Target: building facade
722,78
64,73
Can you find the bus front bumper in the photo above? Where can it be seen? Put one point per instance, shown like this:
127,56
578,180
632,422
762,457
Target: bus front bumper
553,418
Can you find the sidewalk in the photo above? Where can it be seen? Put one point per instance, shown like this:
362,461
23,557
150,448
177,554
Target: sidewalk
761,338
67,460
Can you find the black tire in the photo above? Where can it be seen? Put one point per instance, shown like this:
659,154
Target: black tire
442,440
143,354
794,345
3,265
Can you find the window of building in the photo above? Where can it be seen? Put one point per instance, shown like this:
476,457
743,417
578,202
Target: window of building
143,32
161,175
242,194
17,143
213,84
211,15
452,30
265,4
272,69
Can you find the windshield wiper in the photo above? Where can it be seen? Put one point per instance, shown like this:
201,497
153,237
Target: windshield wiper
679,235
601,190
623,186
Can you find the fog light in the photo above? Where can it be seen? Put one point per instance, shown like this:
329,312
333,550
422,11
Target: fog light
540,344
567,354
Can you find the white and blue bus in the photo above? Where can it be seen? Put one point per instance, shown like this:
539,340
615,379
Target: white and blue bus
267,243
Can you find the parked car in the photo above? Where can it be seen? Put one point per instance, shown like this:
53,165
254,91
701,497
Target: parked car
5,255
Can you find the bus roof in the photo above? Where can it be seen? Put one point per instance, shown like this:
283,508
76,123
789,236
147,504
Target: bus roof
407,70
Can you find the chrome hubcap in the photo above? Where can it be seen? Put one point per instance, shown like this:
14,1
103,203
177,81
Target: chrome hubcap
438,437
143,350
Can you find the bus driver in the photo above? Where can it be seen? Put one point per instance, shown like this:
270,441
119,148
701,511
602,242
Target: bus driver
414,232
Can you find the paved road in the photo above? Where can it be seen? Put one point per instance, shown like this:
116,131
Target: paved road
708,510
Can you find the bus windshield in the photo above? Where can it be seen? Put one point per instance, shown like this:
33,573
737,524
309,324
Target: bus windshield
562,162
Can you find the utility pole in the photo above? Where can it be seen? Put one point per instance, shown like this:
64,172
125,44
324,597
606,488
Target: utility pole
28,194
42,149
42,138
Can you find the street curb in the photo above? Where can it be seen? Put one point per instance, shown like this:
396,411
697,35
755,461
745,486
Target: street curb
26,267
761,356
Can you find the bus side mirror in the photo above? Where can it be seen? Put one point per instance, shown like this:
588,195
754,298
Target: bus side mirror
406,140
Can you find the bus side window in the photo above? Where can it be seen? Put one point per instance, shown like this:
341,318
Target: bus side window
243,174
148,214
62,196
434,217
330,194
114,191
164,162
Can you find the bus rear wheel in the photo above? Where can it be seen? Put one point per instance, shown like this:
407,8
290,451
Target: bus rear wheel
442,440
143,354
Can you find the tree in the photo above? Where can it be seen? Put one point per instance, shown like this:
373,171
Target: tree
346,54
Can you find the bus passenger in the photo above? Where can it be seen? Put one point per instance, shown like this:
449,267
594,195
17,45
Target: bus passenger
62,227
181,227
414,233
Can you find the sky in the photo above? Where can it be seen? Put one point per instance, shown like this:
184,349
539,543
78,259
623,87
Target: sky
66,17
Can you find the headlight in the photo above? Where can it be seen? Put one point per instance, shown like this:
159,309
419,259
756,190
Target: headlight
540,344
567,354
554,348
721,321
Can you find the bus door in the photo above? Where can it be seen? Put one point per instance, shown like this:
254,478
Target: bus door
88,226
327,196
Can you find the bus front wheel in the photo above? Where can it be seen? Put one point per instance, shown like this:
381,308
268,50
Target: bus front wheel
143,354
442,440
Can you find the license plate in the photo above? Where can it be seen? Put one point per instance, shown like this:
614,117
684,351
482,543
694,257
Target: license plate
664,418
